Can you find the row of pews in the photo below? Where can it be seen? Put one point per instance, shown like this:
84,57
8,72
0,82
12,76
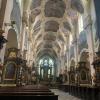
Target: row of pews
82,92
33,91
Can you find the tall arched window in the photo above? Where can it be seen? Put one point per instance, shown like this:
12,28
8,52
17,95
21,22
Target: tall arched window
80,23
46,67
71,39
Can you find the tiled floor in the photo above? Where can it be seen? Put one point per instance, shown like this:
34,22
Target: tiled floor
64,95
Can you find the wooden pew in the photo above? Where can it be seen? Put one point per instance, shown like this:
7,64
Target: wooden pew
41,92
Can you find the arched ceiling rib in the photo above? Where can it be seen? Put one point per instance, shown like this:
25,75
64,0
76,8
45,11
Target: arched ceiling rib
50,52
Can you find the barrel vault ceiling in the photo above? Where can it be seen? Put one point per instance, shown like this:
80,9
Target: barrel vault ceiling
51,22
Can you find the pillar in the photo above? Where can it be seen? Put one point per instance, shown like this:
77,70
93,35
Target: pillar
97,9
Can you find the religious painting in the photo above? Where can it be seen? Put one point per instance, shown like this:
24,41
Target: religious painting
83,75
10,71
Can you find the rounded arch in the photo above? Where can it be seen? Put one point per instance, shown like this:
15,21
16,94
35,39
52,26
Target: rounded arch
50,56
46,66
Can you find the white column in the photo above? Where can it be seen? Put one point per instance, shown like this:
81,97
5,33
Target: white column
8,11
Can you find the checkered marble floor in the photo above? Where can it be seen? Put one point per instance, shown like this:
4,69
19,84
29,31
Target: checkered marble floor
64,95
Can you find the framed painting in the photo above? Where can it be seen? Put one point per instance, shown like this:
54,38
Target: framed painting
10,71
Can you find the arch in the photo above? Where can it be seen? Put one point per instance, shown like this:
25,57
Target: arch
41,55
49,52
46,67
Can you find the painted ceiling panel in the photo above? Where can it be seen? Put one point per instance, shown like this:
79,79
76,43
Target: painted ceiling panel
55,8
52,26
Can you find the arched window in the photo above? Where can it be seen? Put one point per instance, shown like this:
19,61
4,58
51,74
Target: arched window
71,39
46,62
80,24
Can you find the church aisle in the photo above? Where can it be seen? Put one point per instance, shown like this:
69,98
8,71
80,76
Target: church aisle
63,95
